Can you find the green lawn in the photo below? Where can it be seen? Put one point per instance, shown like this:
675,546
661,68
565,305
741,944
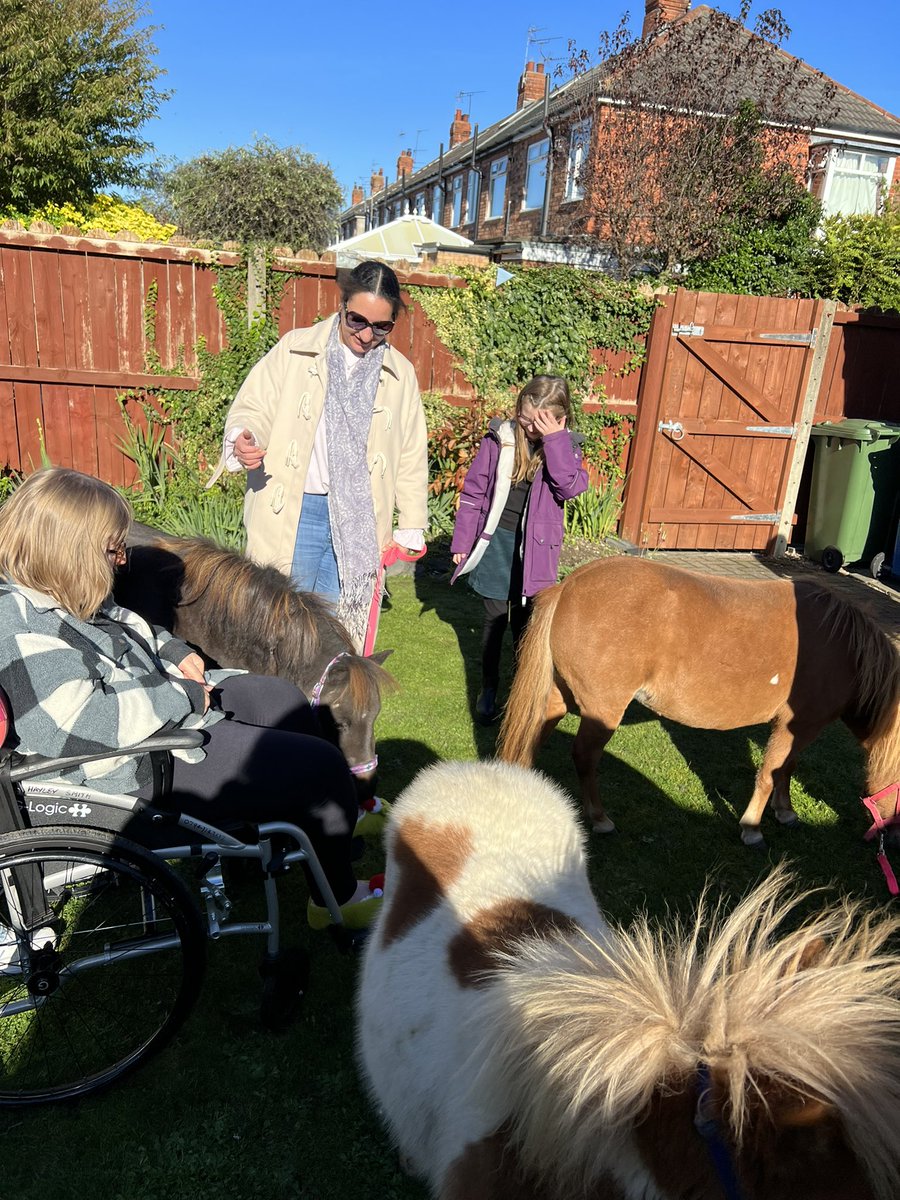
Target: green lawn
233,1111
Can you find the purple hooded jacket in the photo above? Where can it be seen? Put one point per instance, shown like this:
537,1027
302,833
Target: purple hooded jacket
559,478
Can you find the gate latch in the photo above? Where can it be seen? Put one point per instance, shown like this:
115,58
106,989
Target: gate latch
675,428
688,330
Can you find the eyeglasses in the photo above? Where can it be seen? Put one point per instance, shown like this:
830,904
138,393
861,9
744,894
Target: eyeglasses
117,554
357,322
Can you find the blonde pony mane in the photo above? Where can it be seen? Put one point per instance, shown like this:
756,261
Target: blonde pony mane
582,1035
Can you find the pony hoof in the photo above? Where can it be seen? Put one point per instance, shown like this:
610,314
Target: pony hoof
603,826
788,819
753,838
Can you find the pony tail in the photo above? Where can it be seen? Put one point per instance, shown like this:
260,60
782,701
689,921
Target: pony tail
527,706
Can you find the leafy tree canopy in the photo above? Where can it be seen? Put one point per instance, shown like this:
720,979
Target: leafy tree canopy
262,193
693,127
77,84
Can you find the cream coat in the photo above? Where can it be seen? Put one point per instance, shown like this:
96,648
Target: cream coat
281,402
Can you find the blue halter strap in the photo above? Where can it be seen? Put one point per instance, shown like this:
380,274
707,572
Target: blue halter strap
709,1130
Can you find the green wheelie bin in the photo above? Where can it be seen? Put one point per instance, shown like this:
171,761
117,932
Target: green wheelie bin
856,474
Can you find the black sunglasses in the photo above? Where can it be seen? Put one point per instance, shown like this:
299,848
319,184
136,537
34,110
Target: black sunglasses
357,322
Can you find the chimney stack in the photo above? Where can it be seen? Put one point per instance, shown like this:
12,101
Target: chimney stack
357,195
658,12
460,129
376,183
533,84
404,164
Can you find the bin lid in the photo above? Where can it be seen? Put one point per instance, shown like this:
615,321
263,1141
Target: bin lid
856,429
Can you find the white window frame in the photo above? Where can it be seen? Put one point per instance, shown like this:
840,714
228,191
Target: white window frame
437,204
579,141
497,188
828,168
456,199
420,204
472,195
536,157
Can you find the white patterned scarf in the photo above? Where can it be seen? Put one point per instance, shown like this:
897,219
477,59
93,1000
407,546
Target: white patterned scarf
348,416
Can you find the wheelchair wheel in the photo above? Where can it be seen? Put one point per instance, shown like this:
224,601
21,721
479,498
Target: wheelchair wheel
109,977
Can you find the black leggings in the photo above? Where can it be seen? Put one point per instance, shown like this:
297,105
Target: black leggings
497,615
268,762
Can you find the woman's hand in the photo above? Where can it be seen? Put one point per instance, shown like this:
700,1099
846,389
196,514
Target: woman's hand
545,422
457,559
247,452
192,667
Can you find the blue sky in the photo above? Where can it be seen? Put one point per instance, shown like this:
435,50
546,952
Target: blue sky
355,83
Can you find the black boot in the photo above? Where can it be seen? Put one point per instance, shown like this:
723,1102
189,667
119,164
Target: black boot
486,706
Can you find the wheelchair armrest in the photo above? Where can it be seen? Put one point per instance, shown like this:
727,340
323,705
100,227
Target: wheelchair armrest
24,767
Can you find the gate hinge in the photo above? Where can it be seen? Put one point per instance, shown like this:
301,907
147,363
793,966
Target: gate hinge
688,330
802,339
784,430
761,518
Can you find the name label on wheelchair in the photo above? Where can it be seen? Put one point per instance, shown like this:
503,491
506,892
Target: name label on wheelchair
72,801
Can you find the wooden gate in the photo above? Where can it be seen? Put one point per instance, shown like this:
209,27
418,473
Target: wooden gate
727,400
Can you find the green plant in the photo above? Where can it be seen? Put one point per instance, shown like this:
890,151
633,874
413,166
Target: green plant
77,85
545,320
857,259
594,514
262,194
104,212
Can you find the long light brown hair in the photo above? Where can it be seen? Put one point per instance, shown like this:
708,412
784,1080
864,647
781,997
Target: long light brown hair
544,391
55,531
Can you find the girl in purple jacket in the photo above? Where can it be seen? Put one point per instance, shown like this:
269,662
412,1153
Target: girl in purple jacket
509,527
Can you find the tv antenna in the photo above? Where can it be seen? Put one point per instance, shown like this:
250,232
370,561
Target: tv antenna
460,96
415,149
532,40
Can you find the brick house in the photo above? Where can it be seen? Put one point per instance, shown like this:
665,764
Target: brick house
514,188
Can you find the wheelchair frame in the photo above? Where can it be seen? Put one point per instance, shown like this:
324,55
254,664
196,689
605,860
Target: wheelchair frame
52,876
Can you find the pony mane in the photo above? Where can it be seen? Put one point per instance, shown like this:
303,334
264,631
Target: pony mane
582,1035
878,667
244,595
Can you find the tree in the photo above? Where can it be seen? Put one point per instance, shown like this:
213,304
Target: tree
261,193
689,126
76,86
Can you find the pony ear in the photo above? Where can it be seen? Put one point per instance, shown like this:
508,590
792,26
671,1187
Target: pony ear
381,656
809,956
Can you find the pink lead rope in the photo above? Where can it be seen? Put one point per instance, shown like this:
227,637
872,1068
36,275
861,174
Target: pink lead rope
390,556
879,825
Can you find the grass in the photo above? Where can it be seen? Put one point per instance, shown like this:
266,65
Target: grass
231,1110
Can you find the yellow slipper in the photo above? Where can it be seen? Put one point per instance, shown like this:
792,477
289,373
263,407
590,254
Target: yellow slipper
372,816
356,914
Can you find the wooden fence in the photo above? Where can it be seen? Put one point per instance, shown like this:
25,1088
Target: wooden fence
84,318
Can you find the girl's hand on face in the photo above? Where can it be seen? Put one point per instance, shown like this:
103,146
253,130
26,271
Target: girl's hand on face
247,452
545,422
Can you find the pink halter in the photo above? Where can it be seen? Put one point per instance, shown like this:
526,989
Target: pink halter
879,825
316,699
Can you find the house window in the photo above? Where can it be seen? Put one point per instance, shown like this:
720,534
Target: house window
497,190
437,204
579,140
420,204
850,181
472,196
457,196
536,174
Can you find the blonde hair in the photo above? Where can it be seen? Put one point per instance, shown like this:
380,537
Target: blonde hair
544,391
55,531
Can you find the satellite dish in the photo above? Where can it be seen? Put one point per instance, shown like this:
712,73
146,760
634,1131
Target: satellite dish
502,277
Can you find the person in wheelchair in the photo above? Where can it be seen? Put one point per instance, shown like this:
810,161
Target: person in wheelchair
84,675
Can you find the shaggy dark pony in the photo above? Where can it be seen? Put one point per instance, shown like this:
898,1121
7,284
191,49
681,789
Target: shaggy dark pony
239,614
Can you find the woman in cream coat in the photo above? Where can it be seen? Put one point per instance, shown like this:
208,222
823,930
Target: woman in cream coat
330,429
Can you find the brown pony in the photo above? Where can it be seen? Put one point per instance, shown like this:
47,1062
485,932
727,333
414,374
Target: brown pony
709,652
239,614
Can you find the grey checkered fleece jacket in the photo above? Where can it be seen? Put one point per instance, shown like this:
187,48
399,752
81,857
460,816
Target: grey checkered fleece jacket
77,687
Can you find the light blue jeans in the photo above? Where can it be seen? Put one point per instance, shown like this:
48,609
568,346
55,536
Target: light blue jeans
314,568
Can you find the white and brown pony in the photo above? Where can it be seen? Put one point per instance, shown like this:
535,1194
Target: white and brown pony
520,1048
709,652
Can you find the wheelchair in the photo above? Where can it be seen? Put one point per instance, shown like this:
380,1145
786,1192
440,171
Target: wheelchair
102,942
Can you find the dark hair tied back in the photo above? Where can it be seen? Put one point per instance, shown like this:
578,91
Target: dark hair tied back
376,278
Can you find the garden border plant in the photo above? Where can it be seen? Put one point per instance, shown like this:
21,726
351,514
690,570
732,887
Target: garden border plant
544,320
